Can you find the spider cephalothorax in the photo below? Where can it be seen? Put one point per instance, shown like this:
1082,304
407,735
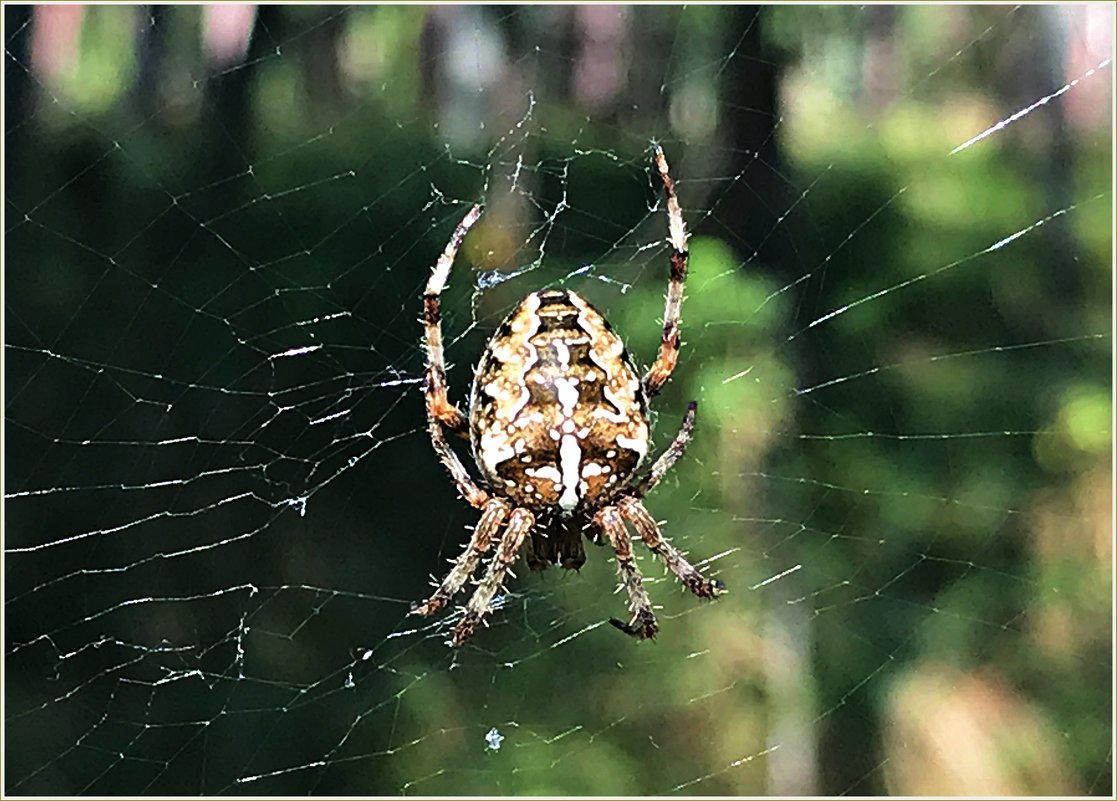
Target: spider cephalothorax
559,428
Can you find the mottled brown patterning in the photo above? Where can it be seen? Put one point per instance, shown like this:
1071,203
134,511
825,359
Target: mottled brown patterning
558,412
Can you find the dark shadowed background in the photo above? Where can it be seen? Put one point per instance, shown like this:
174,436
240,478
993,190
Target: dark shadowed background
220,498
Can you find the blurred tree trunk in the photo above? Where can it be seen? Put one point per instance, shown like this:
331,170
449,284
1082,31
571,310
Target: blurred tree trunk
151,49
228,113
17,24
1066,282
648,70
751,95
322,66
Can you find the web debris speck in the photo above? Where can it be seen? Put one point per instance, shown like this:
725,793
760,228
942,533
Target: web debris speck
493,739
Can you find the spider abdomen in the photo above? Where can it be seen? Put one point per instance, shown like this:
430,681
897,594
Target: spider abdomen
558,416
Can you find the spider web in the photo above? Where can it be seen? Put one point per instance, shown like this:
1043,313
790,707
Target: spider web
220,498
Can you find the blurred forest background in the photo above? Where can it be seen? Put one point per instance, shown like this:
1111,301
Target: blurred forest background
220,498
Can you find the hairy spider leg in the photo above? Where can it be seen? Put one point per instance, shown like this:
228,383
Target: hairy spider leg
474,495
496,510
634,512
519,525
664,364
642,623
439,406
646,483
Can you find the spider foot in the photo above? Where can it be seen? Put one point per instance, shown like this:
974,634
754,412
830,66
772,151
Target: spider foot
428,607
706,588
465,629
642,627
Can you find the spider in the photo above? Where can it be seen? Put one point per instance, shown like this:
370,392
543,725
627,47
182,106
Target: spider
558,421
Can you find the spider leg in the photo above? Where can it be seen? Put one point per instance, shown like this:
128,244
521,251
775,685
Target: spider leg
474,495
664,365
633,511
495,512
667,459
519,526
439,406
642,624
